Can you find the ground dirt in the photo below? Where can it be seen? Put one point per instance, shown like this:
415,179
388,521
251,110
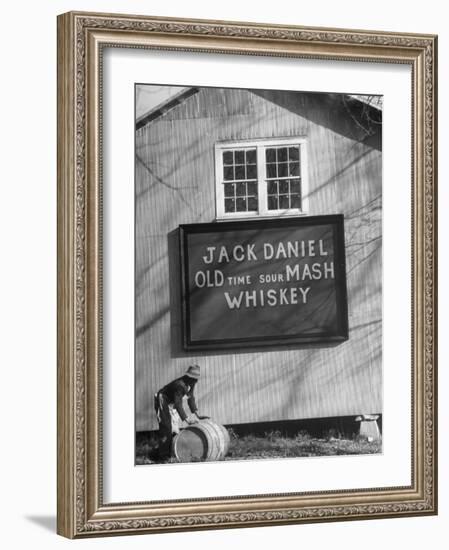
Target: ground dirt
273,445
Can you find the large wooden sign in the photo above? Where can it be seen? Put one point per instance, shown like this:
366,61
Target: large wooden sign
264,282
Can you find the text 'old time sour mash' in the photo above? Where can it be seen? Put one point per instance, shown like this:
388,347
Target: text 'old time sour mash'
240,296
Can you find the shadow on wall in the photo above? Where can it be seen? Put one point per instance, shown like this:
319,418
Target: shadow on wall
48,523
350,117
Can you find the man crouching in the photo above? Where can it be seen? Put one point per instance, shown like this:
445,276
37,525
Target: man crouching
168,405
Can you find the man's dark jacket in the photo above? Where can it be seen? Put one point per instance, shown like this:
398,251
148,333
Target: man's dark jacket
176,390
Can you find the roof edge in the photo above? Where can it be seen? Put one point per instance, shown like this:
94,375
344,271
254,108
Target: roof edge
165,106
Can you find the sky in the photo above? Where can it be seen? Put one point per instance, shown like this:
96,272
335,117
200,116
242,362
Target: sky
149,96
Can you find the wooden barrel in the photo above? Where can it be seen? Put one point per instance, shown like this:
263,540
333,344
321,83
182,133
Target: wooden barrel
205,440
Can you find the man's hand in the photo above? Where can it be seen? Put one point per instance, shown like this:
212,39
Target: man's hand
192,419
201,417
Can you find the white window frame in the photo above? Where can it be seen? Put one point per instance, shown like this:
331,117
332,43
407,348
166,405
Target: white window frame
260,145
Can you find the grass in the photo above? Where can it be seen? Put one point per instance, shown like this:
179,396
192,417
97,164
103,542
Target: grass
274,445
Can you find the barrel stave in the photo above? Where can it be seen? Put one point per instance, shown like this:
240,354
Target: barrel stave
204,441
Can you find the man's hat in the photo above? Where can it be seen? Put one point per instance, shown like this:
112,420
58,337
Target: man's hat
193,371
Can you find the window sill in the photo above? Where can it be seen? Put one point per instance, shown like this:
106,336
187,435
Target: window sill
264,216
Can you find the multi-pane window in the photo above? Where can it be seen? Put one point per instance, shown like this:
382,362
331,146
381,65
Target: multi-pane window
240,180
283,177
264,177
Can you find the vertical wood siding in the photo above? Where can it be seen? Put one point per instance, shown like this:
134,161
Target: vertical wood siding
175,184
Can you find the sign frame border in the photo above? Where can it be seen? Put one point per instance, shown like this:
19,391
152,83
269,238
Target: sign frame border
255,343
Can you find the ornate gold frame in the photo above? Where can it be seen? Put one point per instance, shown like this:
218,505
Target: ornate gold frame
81,37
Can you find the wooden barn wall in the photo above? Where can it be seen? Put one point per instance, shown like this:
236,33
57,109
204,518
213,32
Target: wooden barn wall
175,184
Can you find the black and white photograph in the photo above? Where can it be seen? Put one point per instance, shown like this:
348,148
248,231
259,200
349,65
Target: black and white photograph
222,321
258,274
